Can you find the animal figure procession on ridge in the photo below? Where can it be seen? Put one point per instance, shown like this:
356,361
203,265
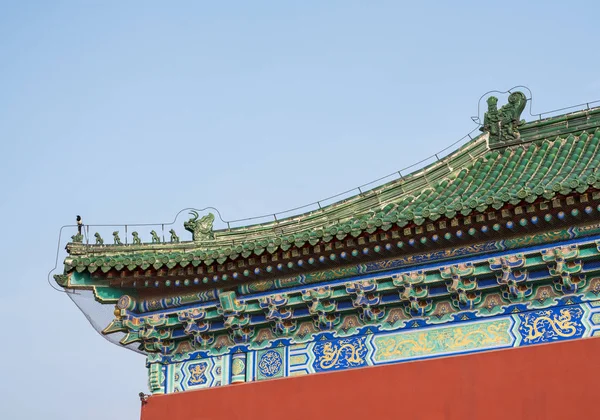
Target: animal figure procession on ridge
201,229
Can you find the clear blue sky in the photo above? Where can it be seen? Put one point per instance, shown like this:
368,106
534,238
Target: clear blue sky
127,112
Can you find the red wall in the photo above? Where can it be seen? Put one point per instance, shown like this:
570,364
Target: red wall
552,381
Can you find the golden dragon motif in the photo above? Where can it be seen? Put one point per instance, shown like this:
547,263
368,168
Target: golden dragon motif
442,341
197,374
562,325
332,354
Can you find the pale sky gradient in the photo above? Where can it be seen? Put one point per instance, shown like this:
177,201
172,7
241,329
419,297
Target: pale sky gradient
127,112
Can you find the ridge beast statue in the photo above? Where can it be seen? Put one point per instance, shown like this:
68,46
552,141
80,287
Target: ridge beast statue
136,238
155,238
201,229
503,123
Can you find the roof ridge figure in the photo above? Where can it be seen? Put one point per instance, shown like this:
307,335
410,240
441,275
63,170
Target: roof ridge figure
503,124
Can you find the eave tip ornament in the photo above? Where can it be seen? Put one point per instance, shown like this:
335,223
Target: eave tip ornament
201,229
503,124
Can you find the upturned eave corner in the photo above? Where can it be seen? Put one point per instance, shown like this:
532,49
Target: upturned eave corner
470,182
61,279
496,245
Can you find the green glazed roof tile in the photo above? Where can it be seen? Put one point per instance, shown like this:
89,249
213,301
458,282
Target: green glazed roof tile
473,178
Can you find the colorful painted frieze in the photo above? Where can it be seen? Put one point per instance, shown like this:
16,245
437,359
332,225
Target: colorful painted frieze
330,355
495,246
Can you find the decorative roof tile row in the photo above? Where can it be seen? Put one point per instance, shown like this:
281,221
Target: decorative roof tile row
514,175
467,286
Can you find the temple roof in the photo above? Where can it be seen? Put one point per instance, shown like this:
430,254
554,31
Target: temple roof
550,157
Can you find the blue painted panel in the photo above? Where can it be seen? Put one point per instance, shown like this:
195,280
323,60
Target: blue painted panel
340,354
553,324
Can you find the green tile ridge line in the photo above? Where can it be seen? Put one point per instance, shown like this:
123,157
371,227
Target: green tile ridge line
422,178
472,179
369,200
559,125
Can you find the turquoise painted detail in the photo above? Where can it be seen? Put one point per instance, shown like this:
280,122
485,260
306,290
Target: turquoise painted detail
270,364
515,330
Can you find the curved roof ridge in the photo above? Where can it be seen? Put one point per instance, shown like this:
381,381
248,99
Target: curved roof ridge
410,182
471,180
414,183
